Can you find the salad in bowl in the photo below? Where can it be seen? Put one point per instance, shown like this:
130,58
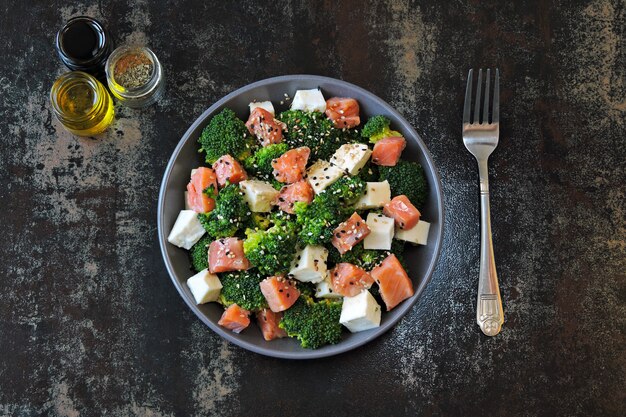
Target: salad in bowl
299,220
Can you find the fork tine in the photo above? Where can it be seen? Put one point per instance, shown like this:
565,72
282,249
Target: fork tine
468,98
495,118
478,90
486,101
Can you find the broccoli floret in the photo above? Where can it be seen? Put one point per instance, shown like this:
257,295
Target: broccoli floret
260,163
406,178
369,173
346,191
199,253
306,288
315,130
242,288
359,256
377,127
271,250
228,216
315,324
366,258
258,221
226,134
318,219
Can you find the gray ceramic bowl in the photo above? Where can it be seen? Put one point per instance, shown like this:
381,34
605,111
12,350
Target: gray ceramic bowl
421,260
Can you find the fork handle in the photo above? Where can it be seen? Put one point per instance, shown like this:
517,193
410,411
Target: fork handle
489,313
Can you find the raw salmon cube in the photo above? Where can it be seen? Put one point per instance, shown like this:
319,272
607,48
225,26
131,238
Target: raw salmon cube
290,194
393,281
279,292
265,127
268,322
201,179
349,280
228,169
349,233
404,213
227,255
235,318
387,151
291,166
344,112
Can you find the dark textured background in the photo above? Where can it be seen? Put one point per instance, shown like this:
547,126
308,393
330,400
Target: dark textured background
90,323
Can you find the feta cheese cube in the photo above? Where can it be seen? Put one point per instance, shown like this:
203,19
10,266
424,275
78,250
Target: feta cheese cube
309,100
309,265
377,194
204,286
381,232
418,234
324,289
193,171
351,157
265,105
360,312
322,174
258,195
187,230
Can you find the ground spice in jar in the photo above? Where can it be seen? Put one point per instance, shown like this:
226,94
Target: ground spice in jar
133,70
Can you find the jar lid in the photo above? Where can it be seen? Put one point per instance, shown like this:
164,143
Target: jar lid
83,44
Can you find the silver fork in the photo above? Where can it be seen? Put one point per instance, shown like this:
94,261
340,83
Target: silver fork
481,138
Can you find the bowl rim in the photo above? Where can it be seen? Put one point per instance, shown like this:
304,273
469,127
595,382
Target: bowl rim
342,346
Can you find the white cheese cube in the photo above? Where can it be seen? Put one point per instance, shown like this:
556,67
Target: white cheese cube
309,100
377,194
193,171
187,230
309,265
322,174
265,105
418,234
360,312
381,232
204,286
258,195
351,157
324,289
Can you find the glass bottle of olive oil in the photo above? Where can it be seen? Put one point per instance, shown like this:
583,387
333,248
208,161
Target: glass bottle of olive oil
81,104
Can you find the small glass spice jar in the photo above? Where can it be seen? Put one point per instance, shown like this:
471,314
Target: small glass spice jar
135,76
81,103
83,44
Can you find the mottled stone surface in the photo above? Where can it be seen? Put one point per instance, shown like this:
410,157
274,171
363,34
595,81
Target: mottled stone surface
90,323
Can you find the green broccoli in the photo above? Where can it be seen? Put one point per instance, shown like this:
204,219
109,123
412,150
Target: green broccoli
226,134
260,163
242,288
377,127
329,208
271,250
199,253
228,216
369,173
315,324
366,258
306,288
317,220
406,178
258,221
346,191
315,130
358,255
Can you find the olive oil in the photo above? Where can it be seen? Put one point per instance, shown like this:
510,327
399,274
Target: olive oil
81,103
